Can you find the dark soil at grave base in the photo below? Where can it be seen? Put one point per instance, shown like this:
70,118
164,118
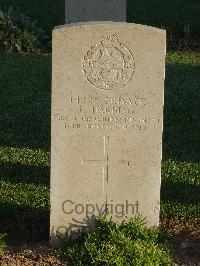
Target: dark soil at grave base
185,246
185,243
35,255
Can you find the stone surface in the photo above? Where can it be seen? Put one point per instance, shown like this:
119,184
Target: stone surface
94,10
107,112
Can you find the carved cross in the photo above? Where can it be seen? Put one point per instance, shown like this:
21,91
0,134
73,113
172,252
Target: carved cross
106,159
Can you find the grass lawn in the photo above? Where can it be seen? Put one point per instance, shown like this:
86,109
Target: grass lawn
25,143
172,15
181,140
25,94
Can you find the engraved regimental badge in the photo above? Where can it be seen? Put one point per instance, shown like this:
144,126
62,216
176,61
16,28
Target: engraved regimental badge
108,64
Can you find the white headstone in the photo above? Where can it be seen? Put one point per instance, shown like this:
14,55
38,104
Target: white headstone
107,113
94,10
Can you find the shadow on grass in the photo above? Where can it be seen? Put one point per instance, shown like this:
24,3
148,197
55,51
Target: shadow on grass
180,193
181,136
24,224
24,174
25,101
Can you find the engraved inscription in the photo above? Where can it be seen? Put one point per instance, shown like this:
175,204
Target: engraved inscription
108,64
108,113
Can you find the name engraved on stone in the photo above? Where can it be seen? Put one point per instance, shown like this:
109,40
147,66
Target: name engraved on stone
108,64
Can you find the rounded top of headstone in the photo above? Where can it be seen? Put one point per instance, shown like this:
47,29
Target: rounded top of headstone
110,23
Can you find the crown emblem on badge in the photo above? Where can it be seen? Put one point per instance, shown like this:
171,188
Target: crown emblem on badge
109,39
